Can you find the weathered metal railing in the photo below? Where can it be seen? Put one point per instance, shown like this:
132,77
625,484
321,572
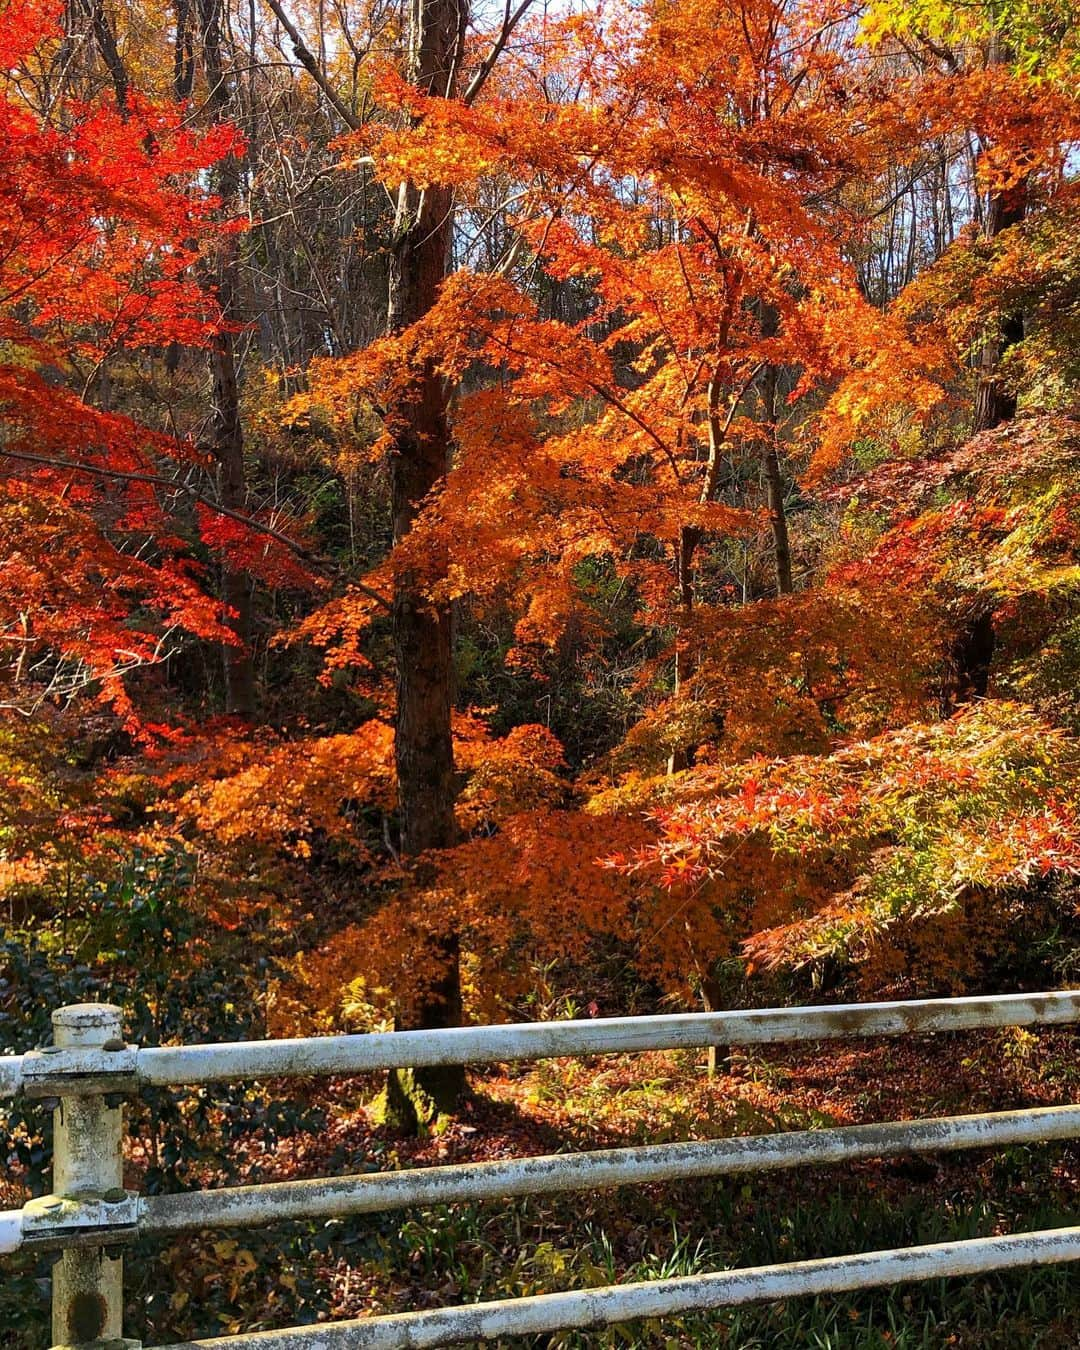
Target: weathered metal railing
86,1074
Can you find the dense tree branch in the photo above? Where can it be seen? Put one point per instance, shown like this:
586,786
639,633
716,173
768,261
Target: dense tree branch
161,480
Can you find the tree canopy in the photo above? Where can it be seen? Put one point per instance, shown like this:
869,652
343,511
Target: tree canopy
493,494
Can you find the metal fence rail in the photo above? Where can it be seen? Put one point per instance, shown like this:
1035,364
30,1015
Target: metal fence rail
85,1076
39,1072
595,1308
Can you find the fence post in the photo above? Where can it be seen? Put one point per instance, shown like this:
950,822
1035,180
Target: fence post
87,1284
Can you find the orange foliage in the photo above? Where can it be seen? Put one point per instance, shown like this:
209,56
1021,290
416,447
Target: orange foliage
707,211
288,792
702,215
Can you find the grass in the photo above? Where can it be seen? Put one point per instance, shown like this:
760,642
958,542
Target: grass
710,1226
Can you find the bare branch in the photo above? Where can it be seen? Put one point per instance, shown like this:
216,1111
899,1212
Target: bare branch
307,60
487,65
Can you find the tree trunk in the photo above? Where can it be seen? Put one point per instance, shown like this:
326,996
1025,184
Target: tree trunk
685,548
718,1055
972,659
422,630
774,478
420,459
994,403
227,434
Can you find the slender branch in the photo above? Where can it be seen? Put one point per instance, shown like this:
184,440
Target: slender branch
608,395
718,431
510,22
160,480
307,60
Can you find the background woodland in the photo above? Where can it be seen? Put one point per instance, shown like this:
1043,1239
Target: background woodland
527,512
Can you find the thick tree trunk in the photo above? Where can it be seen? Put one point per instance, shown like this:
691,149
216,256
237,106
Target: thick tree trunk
86,27
420,459
422,630
972,660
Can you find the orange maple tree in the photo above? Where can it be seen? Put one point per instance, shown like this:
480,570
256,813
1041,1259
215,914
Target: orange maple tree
852,758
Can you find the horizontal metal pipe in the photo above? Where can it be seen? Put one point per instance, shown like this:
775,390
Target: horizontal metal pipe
11,1231
612,1035
11,1075
234,1060
594,1308
246,1206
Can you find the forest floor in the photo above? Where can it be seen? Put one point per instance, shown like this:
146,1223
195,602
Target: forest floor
416,1259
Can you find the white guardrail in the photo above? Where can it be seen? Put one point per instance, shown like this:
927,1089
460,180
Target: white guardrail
86,1074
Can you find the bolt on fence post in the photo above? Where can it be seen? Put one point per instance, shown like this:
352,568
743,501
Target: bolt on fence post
87,1284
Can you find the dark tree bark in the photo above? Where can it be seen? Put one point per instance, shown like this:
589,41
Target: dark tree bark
994,403
183,52
422,630
420,459
774,477
110,54
227,433
972,660
685,548
87,18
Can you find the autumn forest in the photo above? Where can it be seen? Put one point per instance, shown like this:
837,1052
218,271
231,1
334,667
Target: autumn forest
544,512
